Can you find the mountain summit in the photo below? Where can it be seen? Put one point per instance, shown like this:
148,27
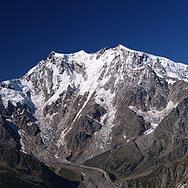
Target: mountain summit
119,111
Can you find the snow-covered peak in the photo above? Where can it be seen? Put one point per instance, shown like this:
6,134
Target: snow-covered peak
79,53
124,48
87,71
83,70
164,67
107,77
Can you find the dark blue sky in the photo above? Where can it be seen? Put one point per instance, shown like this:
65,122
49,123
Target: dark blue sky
30,29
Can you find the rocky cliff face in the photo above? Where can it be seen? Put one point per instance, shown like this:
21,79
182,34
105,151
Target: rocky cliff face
118,109
22,170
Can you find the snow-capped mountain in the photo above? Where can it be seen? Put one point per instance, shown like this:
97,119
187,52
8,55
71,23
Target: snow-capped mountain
79,106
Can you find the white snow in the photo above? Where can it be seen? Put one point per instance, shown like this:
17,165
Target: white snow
103,136
173,69
79,112
65,82
22,135
61,140
154,117
11,95
185,185
170,81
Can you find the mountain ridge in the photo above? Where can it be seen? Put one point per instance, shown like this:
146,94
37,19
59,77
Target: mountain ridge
95,63
80,106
